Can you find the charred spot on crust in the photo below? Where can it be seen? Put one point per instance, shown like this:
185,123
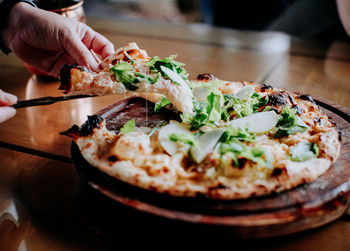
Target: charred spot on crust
65,76
93,121
278,98
130,52
291,99
112,158
298,109
241,163
335,124
206,76
217,186
265,87
306,97
340,135
317,120
278,171
72,132
187,163
114,61
85,130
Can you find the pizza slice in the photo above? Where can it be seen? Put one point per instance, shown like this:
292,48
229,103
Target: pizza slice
131,70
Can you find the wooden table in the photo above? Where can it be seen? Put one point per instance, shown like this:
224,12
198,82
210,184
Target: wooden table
45,206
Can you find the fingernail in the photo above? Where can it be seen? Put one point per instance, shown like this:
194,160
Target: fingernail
9,98
110,50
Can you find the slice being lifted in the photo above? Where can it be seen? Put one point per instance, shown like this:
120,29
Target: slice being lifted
230,140
131,70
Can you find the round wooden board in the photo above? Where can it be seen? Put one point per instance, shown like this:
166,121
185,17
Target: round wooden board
305,207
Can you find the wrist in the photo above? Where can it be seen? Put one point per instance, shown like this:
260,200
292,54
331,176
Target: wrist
11,11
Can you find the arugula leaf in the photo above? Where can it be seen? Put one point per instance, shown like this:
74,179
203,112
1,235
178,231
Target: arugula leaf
213,107
228,103
147,78
204,112
262,101
242,108
303,151
267,108
233,133
184,138
160,104
236,150
245,107
168,62
128,126
232,148
289,123
199,116
122,72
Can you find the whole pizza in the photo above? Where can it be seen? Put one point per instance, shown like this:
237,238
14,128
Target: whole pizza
229,140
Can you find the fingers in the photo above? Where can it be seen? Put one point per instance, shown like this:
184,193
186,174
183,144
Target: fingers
7,98
6,113
98,43
79,47
77,50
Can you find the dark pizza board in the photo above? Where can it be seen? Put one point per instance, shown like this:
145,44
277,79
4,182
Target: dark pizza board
304,207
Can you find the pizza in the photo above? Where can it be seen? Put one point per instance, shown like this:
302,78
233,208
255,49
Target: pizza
226,140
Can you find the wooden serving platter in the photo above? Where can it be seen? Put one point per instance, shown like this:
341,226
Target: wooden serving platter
304,207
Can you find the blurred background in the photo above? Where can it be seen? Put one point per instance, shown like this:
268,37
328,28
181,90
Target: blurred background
317,19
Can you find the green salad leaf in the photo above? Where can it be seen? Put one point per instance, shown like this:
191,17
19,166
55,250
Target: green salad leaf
204,112
168,62
232,148
235,150
162,103
147,78
242,108
213,107
233,133
184,138
128,126
289,123
123,74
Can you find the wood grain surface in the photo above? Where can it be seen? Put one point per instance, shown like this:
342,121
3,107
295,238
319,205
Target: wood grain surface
41,190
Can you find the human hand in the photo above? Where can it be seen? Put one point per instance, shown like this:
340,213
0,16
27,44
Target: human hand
47,40
6,112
